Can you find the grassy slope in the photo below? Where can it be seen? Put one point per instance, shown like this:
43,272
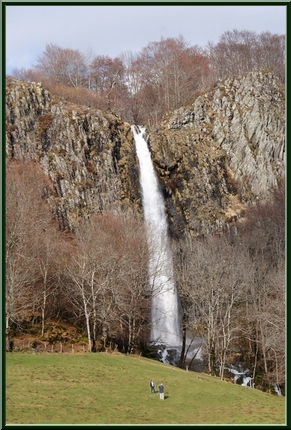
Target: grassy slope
114,389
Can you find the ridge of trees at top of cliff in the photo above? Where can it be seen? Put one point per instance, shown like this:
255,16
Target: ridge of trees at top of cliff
163,76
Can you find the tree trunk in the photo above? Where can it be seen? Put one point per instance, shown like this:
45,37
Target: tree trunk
184,331
7,333
43,305
87,316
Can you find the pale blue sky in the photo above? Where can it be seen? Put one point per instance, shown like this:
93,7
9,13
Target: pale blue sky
111,30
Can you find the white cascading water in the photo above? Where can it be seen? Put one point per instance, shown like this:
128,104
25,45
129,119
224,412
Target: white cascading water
165,327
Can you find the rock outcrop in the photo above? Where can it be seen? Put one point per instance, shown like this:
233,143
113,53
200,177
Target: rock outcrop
223,153
213,158
88,154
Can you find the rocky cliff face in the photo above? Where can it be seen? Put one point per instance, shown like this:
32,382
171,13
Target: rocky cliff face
221,154
89,155
213,158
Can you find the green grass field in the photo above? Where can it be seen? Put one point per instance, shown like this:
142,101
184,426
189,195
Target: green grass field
102,388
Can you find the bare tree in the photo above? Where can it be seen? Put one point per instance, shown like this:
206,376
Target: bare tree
26,217
264,238
134,296
62,66
210,282
45,248
239,52
166,75
107,270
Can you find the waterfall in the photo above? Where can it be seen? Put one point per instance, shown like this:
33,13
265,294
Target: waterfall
165,320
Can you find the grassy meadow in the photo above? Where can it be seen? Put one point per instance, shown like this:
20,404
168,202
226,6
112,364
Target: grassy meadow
86,388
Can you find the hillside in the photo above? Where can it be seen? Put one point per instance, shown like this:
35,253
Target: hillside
114,389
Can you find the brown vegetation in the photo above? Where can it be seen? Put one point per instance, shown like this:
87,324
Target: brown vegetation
163,76
95,278
232,289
